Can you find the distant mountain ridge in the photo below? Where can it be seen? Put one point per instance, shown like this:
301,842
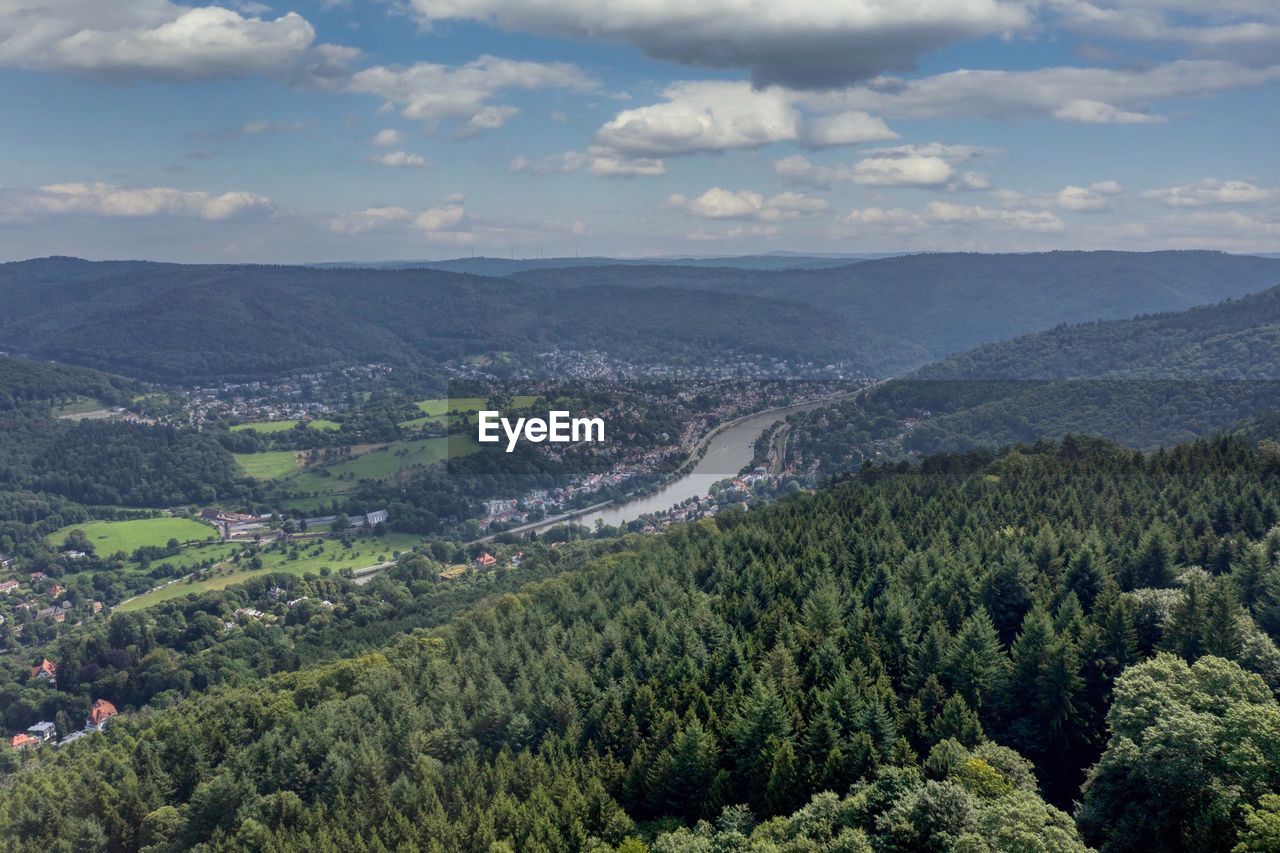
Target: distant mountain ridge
201,323
935,305
1154,380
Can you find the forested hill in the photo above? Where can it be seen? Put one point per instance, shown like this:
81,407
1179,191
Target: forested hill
934,305
200,323
902,662
23,382
1237,339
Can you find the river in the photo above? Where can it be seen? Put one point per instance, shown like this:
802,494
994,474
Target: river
729,451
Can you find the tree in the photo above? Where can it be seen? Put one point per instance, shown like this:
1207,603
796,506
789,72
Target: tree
1190,745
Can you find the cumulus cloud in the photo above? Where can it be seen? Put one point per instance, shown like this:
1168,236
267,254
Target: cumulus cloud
433,93
703,116
157,38
387,137
712,116
446,223
1211,192
108,200
401,160
1096,197
1246,30
719,203
930,165
1090,95
846,128
812,44
912,170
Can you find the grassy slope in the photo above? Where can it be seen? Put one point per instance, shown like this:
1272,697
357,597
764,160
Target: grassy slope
109,537
364,552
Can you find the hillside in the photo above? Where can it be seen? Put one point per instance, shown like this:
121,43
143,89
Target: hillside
934,305
202,323
957,652
1236,339
207,323
1150,381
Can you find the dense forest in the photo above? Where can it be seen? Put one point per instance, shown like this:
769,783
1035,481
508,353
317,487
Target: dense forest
1063,644
1147,382
206,323
195,324
929,306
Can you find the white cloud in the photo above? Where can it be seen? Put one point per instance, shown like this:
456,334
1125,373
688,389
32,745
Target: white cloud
1210,191
388,137
717,115
929,165
153,38
1095,197
946,213
1245,30
812,44
598,161
401,159
846,128
912,170
369,219
719,203
703,116
606,165
108,200
432,93
1069,94
445,223
735,234
1097,112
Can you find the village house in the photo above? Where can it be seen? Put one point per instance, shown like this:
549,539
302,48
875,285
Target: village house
46,669
485,561
24,740
99,715
517,558
8,586
43,730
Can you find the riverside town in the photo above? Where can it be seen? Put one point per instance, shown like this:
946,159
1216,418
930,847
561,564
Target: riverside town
558,428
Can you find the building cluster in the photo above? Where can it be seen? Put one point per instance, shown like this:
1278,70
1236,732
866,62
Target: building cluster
302,395
244,526
101,712
41,598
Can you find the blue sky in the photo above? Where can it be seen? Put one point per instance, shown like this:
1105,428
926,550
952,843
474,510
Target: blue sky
312,131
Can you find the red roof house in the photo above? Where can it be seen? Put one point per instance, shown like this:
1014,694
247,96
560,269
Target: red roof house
23,740
46,669
99,714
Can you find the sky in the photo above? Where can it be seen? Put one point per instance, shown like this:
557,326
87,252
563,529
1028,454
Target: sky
331,130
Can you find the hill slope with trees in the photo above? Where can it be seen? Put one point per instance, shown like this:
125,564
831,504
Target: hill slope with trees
899,662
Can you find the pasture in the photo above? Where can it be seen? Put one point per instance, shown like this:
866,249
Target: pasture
108,537
307,556
269,464
270,427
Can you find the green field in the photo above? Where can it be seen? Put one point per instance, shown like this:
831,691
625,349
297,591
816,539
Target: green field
268,427
268,465
312,557
109,537
441,405
79,406
388,461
